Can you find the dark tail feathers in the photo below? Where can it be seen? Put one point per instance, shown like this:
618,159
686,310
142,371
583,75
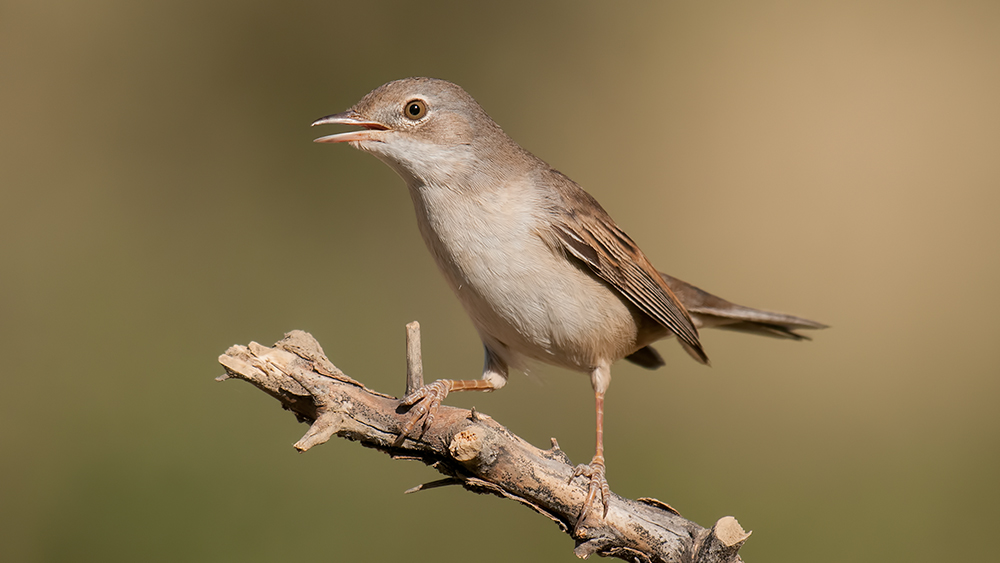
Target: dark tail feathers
709,311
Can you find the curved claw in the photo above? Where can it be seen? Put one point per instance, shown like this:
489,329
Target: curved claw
595,472
426,399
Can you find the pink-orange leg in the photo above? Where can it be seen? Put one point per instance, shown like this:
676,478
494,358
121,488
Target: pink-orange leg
429,397
595,471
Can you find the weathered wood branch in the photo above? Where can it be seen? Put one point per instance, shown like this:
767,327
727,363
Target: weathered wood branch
473,450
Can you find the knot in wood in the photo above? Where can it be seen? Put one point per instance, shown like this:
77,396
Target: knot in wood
467,445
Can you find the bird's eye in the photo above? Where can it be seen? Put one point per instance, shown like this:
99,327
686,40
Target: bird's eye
415,109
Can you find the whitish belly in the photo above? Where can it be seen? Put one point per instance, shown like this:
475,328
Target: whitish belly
526,299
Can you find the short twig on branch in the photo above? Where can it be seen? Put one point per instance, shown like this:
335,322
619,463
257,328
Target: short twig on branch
473,450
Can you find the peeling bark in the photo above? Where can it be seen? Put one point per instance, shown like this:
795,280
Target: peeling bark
473,450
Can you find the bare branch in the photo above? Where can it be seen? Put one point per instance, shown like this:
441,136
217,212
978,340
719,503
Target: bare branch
414,359
473,450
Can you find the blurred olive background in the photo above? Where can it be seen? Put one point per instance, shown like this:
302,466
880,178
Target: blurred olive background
162,200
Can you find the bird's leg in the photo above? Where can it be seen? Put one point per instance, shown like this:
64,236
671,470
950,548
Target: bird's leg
595,470
429,397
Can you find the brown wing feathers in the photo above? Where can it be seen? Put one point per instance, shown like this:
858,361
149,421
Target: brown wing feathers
611,254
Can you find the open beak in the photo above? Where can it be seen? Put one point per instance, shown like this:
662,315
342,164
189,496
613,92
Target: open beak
348,117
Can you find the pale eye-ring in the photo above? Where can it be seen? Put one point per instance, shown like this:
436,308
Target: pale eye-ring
415,109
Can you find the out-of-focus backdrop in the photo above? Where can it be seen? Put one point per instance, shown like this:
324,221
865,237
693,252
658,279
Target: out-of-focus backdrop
161,199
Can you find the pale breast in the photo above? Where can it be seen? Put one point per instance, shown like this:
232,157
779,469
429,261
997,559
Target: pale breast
517,289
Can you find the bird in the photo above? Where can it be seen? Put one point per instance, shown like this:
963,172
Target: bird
542,270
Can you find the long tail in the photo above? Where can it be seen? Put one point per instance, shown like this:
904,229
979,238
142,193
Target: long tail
710,311
716,312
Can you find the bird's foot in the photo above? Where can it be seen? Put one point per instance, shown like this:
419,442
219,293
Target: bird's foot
595,471
426,399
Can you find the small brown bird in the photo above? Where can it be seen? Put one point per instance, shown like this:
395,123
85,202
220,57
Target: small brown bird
540,267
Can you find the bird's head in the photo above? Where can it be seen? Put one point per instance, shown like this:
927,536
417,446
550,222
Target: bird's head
424,128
